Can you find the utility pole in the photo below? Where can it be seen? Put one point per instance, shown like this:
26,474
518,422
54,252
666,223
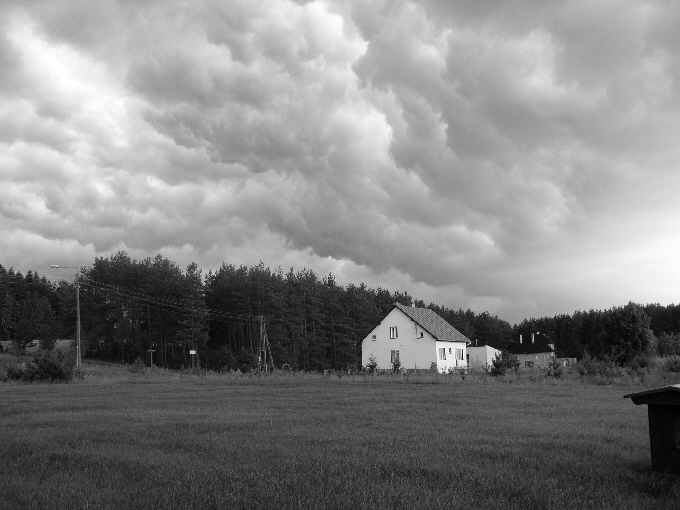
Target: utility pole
265,360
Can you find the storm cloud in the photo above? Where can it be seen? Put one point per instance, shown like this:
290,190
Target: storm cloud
516,157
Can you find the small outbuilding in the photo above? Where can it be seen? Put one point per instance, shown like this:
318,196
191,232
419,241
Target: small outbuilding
664,425
481,356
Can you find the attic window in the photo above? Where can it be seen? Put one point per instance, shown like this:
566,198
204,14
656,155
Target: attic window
393,332
373,338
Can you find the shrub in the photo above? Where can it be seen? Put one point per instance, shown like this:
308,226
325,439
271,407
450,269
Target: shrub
138,367
554,369
639,366
46,366
640,362
218,360
590,367
246,361
48,344
503,362
372,364
672,364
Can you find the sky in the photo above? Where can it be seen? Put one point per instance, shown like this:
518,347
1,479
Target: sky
515,157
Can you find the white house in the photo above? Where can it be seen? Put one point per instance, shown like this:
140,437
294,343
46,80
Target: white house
481,356
416,337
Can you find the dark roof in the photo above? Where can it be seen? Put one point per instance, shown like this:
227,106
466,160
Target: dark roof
540,344
433,323
668,395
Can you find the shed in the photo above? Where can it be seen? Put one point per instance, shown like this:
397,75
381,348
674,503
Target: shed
664,425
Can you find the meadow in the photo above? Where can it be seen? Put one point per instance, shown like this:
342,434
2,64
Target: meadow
115,439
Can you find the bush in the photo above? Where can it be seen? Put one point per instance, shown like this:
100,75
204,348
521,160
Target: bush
503,362
639,366
554,369
246,361
138,367
590,367
672,364
217,360
46,366
372,364
640,363
48,344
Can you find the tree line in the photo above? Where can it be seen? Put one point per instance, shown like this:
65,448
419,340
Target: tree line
619,334
153,309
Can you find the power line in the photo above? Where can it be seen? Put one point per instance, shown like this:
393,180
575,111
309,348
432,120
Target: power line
113,291
122,292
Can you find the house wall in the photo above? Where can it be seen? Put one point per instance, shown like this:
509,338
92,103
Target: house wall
414,351
482,356
540,360
450,363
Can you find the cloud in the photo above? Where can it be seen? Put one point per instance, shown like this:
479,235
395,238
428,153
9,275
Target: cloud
477,153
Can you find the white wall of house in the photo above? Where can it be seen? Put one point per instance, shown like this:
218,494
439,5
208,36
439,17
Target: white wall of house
481,356
454,356
417,348
415,345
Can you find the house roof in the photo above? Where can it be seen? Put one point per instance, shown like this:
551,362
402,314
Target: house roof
433,323
668,395
540,344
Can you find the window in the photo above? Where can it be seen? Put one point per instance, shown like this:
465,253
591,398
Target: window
449,350
393,332
459,354
395,356
373,338
442,353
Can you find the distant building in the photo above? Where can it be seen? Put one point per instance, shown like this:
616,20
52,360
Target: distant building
536,351
481,356
416,337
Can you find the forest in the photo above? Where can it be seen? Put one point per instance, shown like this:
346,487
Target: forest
153,309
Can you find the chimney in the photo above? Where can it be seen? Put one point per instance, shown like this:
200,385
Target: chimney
532,338
520,339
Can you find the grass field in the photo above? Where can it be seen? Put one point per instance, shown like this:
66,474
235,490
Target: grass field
121,440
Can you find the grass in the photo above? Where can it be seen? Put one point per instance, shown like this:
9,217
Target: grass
179,441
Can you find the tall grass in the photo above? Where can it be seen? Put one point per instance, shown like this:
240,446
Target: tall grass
180,440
